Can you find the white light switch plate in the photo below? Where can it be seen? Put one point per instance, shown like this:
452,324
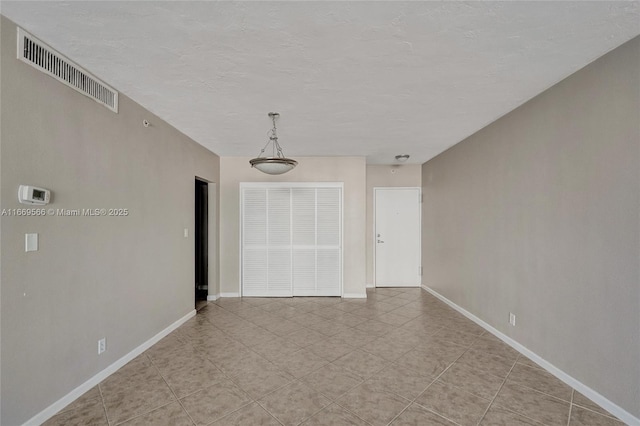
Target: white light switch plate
186,232
30,242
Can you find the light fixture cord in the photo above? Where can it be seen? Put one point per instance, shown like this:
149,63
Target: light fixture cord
273,137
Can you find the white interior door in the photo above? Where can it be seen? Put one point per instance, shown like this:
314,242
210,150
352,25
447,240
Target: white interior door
397,237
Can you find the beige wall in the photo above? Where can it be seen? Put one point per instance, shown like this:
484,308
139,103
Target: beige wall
123,278
537,214
407,175
350,170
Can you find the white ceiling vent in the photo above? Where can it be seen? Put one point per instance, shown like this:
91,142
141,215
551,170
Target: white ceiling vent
43,57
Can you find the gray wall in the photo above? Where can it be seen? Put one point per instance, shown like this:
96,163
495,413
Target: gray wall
123,278
537,214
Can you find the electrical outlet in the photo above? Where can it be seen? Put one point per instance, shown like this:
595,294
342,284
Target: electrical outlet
512,319
102,345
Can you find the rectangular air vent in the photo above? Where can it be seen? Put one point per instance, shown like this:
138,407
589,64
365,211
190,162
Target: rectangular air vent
43,57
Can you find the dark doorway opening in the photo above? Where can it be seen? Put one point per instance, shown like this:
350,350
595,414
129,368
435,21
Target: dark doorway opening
201,236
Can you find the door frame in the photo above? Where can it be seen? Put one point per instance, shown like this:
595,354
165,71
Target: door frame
201,235
214,290
373,241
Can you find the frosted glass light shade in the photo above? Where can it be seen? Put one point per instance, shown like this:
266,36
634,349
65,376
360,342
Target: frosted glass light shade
273,165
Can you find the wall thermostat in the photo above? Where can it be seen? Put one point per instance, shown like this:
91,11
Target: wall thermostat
33,195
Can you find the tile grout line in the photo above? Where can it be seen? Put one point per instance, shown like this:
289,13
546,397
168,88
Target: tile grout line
143,414
413,401
226,376
423,407
155,408
388,363
172,392
315,412
524,385
104,406
608,415
268,412
263,395
290,383
367,378
543,393
573,392
346,409
229,413
497,393
513,411
275,365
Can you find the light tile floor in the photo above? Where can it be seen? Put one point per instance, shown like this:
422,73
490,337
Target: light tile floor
400,357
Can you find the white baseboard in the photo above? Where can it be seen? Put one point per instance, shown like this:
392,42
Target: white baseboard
229,294
354,295
51,410
213,297
611,407
370,285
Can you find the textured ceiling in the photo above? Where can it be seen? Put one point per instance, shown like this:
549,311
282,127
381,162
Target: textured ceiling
372,79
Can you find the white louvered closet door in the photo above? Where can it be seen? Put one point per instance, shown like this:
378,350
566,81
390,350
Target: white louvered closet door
279,281
291,240
254,242
266,242
329,251
316,216
304,241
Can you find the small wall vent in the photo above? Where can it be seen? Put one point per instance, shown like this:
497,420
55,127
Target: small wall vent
43,57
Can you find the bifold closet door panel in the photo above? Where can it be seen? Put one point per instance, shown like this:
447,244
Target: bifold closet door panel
316,217
279,280
304,271
266,242
303,209
266,272
255,262
279,217
254,242
328,272
254,218
291,241
328,217
328,242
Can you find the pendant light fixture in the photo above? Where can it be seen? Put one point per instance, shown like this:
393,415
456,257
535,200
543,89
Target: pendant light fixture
277,164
